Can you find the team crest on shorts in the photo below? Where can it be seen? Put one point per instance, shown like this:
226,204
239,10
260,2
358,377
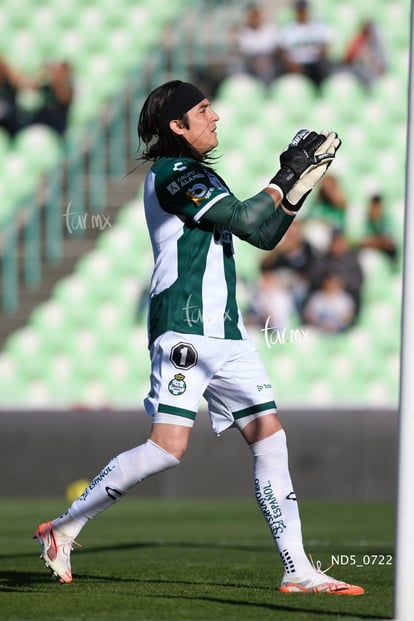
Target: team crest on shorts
177,385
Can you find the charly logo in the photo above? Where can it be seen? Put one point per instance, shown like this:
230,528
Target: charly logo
179,166
177,385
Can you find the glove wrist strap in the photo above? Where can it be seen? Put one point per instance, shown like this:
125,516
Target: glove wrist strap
274,186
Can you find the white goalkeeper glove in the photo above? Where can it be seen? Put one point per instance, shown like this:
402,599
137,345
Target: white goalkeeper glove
295,198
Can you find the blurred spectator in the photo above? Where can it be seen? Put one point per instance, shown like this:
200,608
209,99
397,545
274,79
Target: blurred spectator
55,87
290,261
342,260
305,44
331,307
378,235
256,45
365,55
273,303
9,88
330,202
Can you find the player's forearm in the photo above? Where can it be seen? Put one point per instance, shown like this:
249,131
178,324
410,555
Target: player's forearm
242,217
270,232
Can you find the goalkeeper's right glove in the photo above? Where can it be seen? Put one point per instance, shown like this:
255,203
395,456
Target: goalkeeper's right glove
304,153
295,198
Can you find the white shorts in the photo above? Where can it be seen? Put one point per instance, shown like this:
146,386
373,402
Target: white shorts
229,374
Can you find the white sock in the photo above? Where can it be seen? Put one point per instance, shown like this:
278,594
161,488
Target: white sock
277,500
112,483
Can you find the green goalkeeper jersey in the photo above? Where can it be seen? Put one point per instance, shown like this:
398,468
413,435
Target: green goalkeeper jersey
193,286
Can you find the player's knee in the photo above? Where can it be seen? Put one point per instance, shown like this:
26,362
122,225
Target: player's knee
171,438
177,450
260,428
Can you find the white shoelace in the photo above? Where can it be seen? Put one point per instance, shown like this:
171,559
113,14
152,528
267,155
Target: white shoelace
318,566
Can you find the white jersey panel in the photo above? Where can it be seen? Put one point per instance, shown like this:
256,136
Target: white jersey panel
214,307
164,229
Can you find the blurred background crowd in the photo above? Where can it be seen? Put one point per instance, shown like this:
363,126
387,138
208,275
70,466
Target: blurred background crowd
303,43
74,251
29,100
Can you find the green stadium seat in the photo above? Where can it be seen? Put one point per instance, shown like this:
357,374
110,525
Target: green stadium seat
247,261
8,369
320,393
19,179
128,255
85,351
228,125
14,393
40,147
382,391
98,79
295,92
53,323
74,294
97,271
325,114
384,90
242,91
112,325
63,380
344,90
23,53
25,348
115,14
373,117
145,20
391,17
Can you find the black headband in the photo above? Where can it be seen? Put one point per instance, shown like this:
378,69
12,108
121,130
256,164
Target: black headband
185,97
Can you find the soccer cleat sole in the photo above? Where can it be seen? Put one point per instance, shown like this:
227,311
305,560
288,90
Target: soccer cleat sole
328,588
52,572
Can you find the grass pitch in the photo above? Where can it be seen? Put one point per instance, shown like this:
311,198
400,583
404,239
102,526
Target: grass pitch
193,560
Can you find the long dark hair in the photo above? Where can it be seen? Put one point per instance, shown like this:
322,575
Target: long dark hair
158,141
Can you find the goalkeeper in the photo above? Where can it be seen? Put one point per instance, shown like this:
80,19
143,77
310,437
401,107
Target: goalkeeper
199,346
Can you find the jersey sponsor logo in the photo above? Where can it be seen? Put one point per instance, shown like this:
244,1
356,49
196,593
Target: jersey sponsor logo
189,177
177,385
270,507
104,473
179,166
173,188
198,193
183,355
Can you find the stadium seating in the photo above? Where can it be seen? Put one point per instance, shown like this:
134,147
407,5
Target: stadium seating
94,352
102,44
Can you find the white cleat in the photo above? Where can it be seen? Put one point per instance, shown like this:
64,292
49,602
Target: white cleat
55,551
316,581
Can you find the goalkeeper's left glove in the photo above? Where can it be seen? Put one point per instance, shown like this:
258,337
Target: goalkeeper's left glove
295,198
299,157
